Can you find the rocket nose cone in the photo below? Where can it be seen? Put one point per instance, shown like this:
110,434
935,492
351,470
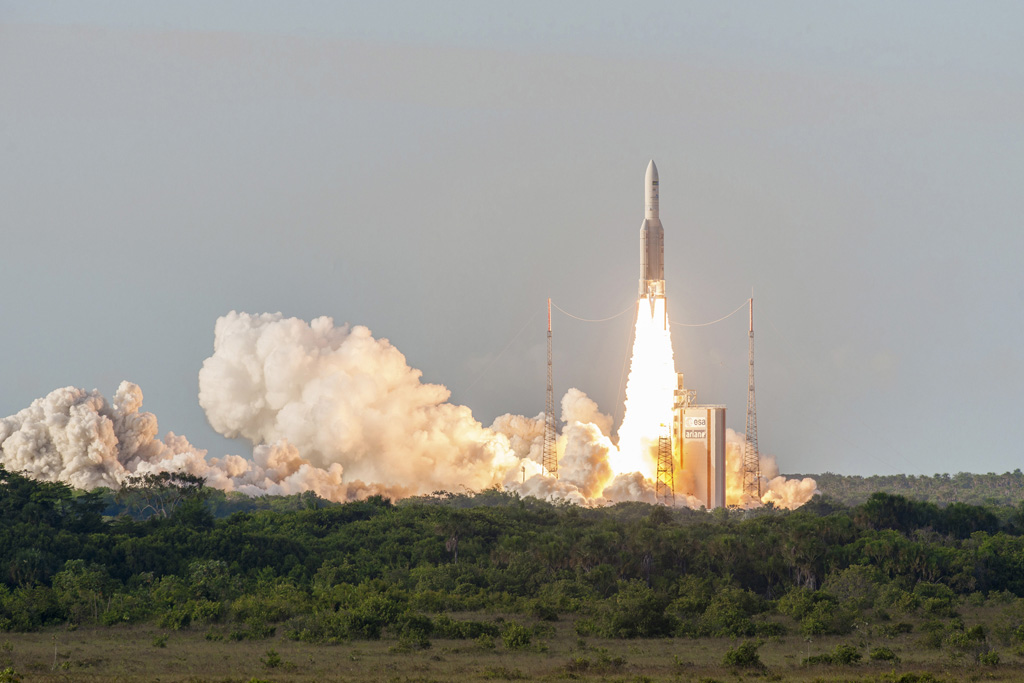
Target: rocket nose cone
652,171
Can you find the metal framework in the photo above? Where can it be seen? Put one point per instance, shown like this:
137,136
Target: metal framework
664,483
684,398
549,458
751,460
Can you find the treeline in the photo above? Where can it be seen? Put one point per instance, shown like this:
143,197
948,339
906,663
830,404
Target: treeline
963,487
326,572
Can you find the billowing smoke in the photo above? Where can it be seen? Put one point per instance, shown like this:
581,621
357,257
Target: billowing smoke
335,411
343,398
775,489
76,436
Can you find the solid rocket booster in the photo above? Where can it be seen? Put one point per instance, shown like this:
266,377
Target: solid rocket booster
652,243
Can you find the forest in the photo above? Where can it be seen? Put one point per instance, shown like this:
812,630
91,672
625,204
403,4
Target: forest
168,552
962,487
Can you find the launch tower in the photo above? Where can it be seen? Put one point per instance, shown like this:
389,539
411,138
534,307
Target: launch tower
751,459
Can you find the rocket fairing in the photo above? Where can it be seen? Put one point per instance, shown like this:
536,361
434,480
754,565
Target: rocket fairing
652,243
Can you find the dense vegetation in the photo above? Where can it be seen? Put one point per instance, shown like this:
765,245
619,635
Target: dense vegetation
443,566
963,487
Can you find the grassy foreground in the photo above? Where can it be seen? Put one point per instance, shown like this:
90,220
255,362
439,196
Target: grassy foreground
147,653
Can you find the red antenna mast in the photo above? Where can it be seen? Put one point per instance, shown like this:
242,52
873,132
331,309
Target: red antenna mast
751,459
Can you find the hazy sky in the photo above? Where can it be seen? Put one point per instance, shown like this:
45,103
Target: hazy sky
435,170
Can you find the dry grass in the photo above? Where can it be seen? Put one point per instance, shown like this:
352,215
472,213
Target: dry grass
133,654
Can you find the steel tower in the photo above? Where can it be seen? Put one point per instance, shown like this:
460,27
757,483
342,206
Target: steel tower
751,461
665,481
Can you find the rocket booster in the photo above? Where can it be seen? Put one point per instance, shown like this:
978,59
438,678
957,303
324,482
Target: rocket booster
652,242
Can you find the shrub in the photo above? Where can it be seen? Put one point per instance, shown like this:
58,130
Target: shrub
843,655
857,585
446,627
577,665
695,595
846,655
206,611
319,627
884,654
744,656
584,627
160,641
893,630
635,612
177,618
515,637
81,590
769,629
252,632
544,611
502,672
968,645
798,602
414,631
728,614
827,618
916,678
125,608
272,660
895,599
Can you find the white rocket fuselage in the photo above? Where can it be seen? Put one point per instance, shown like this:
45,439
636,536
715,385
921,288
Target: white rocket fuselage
652,242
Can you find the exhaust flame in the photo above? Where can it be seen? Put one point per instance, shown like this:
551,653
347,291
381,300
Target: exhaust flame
650,391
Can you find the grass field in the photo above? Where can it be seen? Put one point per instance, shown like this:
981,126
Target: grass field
146,653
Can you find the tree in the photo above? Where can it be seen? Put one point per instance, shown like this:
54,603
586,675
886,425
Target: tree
160,493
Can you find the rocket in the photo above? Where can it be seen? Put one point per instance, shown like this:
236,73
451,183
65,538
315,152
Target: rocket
652,244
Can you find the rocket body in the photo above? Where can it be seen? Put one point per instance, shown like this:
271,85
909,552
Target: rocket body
652,243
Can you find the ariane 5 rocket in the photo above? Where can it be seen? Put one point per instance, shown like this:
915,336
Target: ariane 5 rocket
652,245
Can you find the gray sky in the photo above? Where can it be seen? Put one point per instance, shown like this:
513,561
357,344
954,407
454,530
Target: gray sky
435,170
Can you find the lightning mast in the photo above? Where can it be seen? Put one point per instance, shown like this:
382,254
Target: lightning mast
665,479
751,460
549,458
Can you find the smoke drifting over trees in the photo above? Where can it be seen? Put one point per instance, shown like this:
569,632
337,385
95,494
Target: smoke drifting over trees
333,410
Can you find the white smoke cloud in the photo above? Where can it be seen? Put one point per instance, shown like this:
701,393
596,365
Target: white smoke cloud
77,437
577,407
343,398
335,411
782,492
525,434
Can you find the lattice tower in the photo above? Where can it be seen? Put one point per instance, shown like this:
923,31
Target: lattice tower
751,460
664,483
549,458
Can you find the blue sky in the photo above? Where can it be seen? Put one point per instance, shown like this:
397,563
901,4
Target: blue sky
435,170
